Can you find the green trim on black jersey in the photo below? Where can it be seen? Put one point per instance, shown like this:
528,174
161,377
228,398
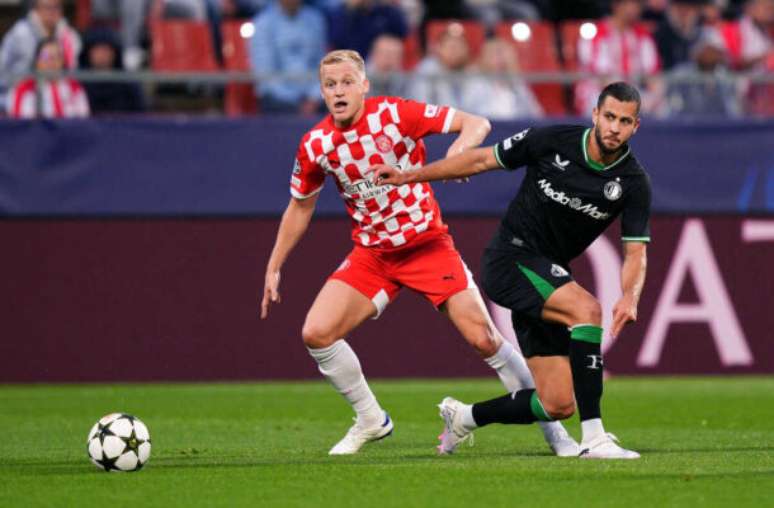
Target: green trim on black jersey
644,239
497,156
542,285
594,164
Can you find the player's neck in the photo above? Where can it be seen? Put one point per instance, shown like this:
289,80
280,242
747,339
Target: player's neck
596,154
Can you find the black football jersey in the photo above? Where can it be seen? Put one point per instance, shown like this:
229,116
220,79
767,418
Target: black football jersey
567,200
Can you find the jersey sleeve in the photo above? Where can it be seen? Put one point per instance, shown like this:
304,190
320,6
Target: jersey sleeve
520,149
635,220
307,178
418,119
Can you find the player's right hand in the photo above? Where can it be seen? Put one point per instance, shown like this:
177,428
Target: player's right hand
270,292
382,174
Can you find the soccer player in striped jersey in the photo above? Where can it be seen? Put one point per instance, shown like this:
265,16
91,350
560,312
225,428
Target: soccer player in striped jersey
400,240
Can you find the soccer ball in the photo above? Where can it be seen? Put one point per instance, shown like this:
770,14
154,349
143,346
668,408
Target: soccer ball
119,442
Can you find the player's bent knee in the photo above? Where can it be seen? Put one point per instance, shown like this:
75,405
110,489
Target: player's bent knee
588,311
316,336
485,341
559,409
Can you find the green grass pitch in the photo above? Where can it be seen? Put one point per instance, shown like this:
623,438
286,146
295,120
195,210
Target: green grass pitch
705,442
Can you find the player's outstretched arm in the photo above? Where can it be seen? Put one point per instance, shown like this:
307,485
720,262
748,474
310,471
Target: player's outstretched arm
294,222
473,130
632,281
467,163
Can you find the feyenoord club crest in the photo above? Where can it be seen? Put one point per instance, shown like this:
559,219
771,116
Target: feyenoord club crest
613,190
383,143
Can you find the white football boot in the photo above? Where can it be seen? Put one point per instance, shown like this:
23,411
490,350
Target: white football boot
561,443
454,432
605,446
358,435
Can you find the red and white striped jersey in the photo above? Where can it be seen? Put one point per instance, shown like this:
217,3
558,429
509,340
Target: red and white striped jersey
389,132
61,98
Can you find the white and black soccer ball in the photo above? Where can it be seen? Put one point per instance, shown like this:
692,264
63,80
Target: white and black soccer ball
119,442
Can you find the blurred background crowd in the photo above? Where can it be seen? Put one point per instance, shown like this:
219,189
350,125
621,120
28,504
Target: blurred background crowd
504,59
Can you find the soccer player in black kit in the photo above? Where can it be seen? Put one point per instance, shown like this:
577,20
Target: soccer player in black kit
578,181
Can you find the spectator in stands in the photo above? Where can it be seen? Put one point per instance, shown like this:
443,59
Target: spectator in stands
499,93
185,9
678,32
131,16
713,11
442,9
703,86
751,48
54,97
437,78
655,10
620,50
357,24
289,39
17,52
102,52
749,43
491,12
385,66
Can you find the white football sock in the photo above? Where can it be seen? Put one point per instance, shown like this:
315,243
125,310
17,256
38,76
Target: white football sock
468,423
511,368
591,429
339,364
514,374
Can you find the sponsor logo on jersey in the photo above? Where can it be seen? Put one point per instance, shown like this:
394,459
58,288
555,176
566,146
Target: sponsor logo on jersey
508,143
559,163
431,111
296,167
383,143
558,271
613,190
364,189
575,203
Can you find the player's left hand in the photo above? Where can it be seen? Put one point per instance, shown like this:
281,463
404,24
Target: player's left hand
625,311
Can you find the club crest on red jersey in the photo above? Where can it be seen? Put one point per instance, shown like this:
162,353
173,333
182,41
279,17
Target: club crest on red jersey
383,143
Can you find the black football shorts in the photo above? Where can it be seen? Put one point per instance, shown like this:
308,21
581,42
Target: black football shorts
522,281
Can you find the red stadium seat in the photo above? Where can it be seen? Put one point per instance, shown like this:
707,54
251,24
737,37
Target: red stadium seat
235,53
537,53
181,46
239,98
412,51
82,14
474,33
570,34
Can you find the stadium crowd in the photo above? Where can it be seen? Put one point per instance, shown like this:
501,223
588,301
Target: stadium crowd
504,59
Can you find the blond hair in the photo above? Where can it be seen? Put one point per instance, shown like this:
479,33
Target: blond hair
341,56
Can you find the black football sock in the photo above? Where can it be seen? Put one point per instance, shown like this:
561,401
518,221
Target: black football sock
586,365
521,407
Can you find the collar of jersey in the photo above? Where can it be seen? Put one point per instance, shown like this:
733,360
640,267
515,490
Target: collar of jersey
594,164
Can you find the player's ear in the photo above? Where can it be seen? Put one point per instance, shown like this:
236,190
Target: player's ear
636,125
366,86
594,115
